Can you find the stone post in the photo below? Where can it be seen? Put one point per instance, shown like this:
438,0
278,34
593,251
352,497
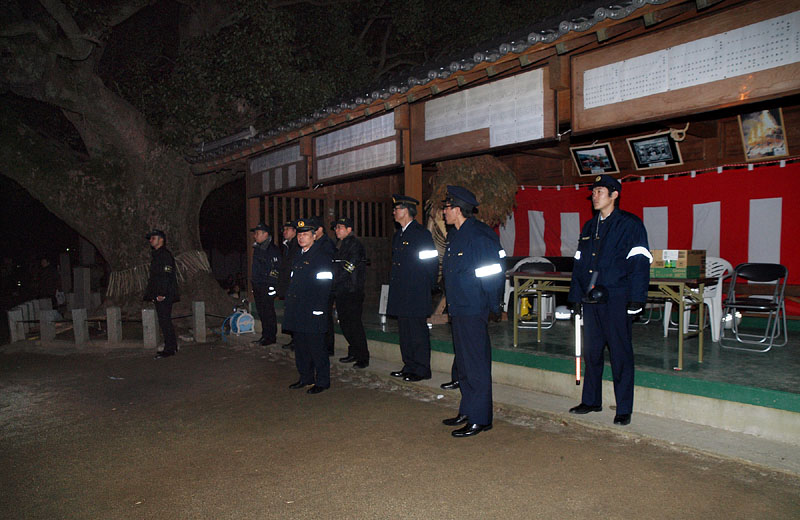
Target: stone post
199,321
114,325
47,326
15,325
149,328
80,327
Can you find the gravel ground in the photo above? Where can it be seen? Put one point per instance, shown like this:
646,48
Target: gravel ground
214,432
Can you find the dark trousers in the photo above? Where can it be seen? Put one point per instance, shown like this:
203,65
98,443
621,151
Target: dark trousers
164,313
265,306
350,306
474,359
608,324
329,335
311,358
454,370
415,345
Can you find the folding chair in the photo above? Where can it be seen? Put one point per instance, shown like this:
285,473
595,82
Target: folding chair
772,306
720,269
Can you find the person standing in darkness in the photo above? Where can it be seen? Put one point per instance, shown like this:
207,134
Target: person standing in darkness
162,289
264,279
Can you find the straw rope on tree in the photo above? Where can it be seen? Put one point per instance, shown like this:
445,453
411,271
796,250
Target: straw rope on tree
134,280
493,183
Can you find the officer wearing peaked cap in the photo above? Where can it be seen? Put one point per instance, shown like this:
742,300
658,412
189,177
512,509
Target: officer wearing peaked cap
609,287
473,280
306,307
162,289
264,279
415,263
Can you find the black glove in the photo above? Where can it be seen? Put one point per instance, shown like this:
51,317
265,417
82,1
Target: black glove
576,308
634,308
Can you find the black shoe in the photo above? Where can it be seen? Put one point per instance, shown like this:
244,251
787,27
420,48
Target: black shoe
164,354
413,378
315,389
585,408
470,429
267,342
289,345
398,373
299,384
347,359
361,364
455,421
622,419
452,385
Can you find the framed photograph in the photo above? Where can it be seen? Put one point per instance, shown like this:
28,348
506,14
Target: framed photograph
594,159
763,135
654,151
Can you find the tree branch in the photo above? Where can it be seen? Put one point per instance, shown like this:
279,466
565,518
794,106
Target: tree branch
78,48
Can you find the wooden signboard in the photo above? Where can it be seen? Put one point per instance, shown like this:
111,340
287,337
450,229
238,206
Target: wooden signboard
516,109
369,146
738,56
281,170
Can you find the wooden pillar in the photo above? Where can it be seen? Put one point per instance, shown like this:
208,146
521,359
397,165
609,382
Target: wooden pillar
412,173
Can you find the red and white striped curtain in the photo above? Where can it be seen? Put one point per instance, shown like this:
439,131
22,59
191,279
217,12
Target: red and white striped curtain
741,215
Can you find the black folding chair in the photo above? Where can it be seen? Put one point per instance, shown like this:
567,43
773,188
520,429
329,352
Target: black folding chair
769,305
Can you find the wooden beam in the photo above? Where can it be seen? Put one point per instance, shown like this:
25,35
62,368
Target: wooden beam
559,72
656,17
534,57
575,43
607,33
402,119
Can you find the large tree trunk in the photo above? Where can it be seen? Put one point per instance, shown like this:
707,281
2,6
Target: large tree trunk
125,184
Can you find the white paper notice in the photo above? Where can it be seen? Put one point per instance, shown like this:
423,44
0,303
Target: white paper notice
753,48
512,109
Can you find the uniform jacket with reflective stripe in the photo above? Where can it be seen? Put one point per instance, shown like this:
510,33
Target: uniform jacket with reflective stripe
412,277
266,258
473,246
163,279
616,248
306,301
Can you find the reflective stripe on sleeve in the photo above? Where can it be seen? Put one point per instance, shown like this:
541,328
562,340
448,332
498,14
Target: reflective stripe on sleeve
577,255
487,270
317,313
639,250
324,275
428,253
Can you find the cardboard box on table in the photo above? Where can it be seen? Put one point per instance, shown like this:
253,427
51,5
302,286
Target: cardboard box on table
678,263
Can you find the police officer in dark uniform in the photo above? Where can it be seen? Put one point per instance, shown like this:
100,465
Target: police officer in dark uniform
415,263
162,289
289,249
325,242
473,282
349,276
609,286
306,309
264,279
